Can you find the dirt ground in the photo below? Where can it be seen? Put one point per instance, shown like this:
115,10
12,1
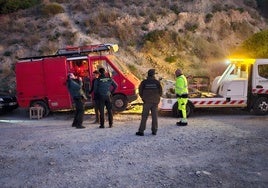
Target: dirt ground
217,149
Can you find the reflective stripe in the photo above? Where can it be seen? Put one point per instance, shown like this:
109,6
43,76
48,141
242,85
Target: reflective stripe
260,91
232,102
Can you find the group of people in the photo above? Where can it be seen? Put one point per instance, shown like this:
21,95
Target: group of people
150,91
101,87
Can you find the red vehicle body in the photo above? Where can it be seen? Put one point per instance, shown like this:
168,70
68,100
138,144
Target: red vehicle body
41,81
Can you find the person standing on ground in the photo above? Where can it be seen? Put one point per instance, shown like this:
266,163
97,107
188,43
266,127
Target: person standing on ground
150,91
103,89
95,97
78,96
181,90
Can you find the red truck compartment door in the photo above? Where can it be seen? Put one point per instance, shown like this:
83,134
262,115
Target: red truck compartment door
30,82
55,71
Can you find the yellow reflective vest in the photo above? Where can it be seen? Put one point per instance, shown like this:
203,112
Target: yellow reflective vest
181,85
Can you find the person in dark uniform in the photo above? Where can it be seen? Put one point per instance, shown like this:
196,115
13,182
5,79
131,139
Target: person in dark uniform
150,91
74,86
105,87
95,97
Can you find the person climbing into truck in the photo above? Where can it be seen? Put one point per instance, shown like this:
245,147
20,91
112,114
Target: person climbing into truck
74,86
181,90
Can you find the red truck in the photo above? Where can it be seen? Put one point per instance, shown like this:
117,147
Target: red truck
41,81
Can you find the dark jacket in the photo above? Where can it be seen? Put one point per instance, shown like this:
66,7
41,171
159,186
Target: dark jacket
150,90
103,86
75,88
94,83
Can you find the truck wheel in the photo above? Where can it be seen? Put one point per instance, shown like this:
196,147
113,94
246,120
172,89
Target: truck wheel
119,103
43,105
260,106
177,113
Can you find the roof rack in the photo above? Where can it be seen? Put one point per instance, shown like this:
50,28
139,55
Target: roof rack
79,51
87,49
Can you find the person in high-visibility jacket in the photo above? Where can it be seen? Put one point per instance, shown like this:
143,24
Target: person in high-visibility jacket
181,90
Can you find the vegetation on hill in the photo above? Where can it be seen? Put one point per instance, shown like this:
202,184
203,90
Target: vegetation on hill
194,35
9,6
255,46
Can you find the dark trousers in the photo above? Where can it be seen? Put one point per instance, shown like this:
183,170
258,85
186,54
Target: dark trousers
147,107
105,101
97,109
79,112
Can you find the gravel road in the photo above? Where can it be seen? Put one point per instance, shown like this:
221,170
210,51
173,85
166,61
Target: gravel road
217,149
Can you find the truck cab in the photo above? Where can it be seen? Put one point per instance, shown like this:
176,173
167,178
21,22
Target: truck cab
260,76
127,83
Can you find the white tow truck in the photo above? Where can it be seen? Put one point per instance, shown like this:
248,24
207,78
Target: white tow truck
244,84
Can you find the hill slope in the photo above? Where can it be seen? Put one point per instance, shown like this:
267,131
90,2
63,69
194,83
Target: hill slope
191,34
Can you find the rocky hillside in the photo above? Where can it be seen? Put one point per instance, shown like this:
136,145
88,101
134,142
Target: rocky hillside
195,35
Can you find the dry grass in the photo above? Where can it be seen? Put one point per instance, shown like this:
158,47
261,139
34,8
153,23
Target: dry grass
160,37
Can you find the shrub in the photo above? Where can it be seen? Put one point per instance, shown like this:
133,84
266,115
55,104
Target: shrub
153,17
144,28
171,59
241,10
8,53
216,8
125,33
208,17
154,36
132,68
70,36
191,26
255,46
31,41
225,30
8,6
105,16
250,3
65,24
52,9
54,37
175,9
60,1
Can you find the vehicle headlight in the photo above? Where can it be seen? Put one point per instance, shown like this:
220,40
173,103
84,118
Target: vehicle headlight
1,99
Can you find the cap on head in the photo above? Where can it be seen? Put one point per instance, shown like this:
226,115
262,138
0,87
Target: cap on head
151,72
178,72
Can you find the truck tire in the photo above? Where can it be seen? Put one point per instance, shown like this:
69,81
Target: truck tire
260,106
119,102
43,105
177,113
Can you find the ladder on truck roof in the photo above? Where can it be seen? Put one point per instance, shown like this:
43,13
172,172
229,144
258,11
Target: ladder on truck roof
79,51
82,50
